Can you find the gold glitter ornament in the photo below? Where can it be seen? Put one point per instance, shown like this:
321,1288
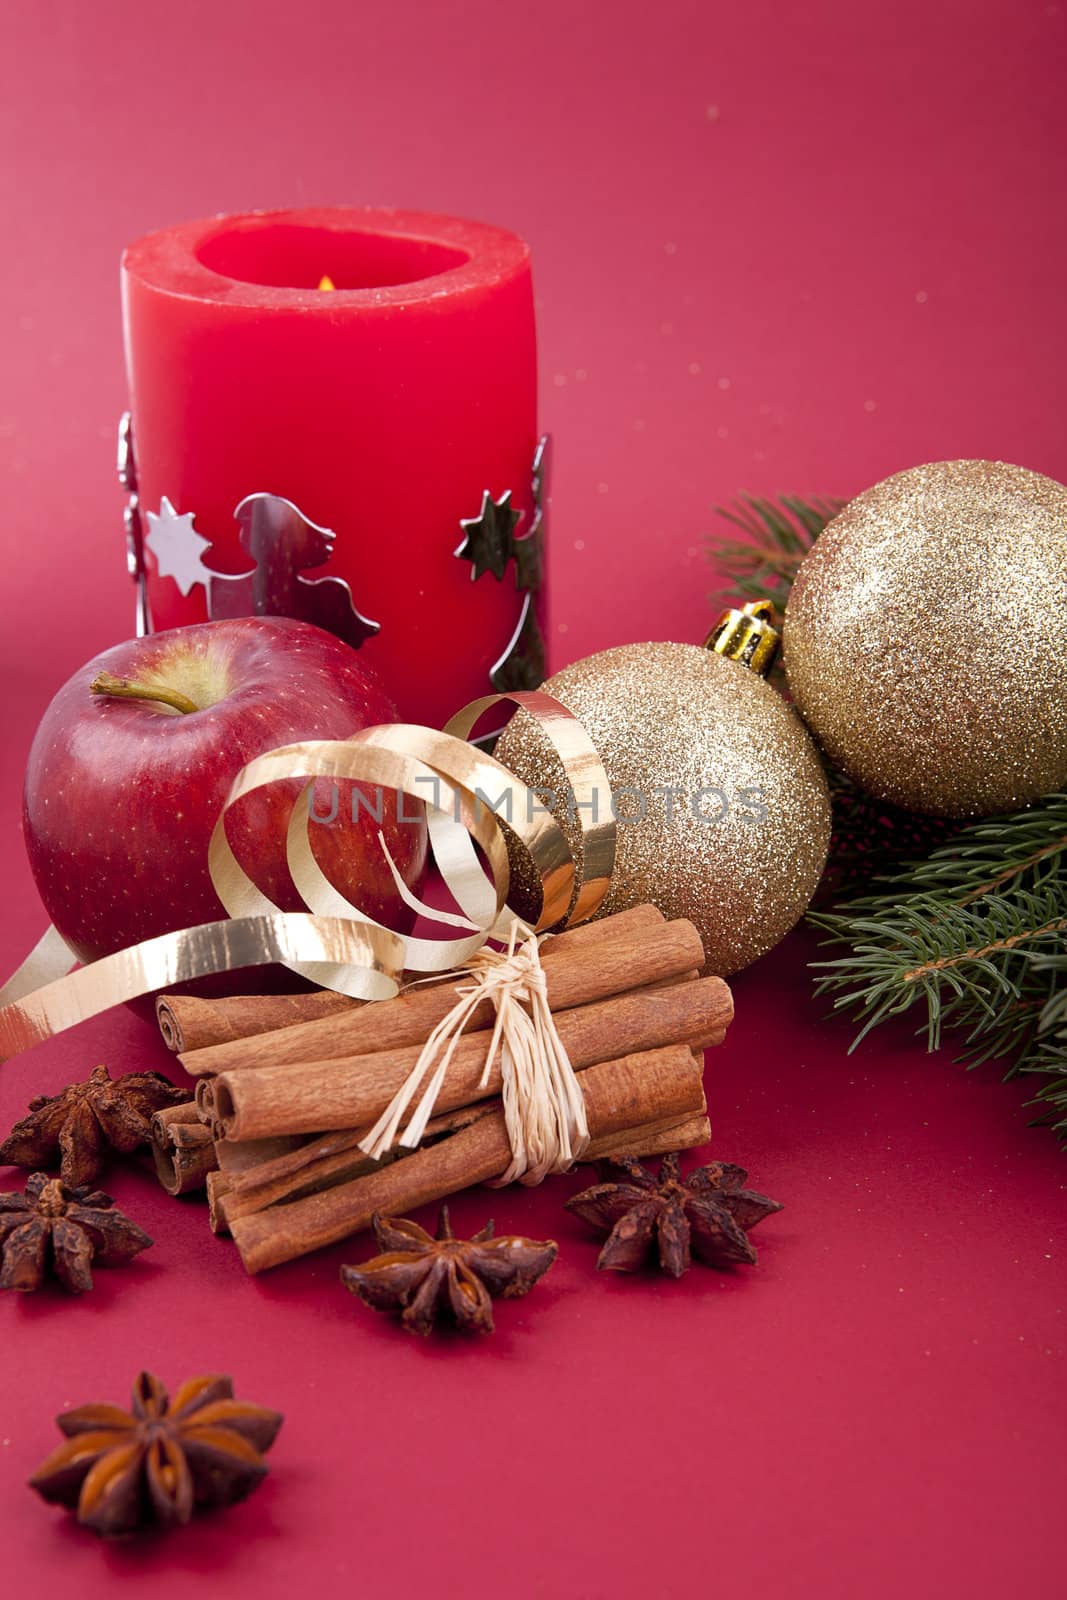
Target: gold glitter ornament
926,638
723,809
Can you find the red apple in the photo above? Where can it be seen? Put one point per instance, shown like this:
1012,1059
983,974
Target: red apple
122,792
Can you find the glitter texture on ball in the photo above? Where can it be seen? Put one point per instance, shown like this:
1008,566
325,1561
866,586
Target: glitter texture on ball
925,638
724,814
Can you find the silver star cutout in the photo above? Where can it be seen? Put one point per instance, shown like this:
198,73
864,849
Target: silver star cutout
177,547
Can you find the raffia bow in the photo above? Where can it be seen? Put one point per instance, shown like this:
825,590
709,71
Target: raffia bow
544,1109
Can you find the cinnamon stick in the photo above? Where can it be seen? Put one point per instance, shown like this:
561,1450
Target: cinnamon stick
182,1149
234,1161
183,1154
237,1158
654,1140
334,1158
227,1194
190,1023
625,952
312,1161
337,1158
621,1096
184,1112
218,1184
316,1096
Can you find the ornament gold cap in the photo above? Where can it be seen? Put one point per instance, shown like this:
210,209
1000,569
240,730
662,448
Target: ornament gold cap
747,635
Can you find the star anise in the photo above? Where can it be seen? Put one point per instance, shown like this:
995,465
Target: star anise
707,1214
67,1229
422,1277
79,1124
155,1463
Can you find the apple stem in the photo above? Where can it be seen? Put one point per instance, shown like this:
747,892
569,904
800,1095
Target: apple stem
105,683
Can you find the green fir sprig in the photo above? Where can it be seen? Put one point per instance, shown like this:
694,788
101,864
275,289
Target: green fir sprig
967,922
778,535
974,934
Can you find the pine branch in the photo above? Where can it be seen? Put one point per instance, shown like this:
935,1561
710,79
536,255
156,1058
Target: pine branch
991,855
778,535
975,934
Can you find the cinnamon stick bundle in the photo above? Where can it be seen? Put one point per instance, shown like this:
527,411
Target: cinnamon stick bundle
658,1090
287,1105
628,951
317,1096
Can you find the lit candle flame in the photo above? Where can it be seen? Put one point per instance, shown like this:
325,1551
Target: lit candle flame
326,282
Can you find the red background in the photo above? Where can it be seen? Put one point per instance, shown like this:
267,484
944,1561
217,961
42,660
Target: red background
777,247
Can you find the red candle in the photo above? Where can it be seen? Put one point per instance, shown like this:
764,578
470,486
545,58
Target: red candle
383,408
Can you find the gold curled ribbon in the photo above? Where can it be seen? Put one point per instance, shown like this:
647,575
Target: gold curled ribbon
573,896
50,958
334,943
289,937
